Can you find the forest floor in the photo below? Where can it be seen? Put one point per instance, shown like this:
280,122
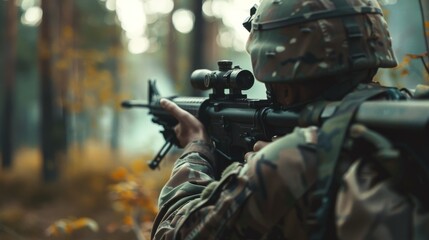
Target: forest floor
90,200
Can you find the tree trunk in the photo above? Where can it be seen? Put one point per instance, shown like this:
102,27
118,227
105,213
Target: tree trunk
9,82
171,53
198,36
115,128
52,116
65,42
198,39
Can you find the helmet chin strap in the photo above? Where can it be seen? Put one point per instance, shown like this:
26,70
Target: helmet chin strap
271,95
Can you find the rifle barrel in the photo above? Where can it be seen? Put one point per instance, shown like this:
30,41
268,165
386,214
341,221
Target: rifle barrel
135,103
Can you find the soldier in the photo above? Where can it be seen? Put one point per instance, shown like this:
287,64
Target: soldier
311,183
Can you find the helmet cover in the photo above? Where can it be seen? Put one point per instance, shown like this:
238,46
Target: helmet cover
305,40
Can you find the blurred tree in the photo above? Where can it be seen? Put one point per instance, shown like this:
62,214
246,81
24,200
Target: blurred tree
52,119
198,39
9,82
79,52
186,51
2,59
96,88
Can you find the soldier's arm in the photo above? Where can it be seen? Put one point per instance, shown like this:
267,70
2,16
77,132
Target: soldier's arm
248,202
191,173
249,199
252,199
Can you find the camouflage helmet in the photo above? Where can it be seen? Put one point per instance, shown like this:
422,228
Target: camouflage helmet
303,40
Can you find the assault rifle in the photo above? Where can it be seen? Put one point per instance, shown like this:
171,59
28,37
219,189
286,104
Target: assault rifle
234,122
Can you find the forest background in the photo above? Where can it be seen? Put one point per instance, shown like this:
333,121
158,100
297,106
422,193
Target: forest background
73,163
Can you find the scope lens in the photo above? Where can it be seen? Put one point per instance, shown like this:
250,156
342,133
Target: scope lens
241,79
200,79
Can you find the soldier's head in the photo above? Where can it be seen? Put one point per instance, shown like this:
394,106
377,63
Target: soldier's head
312,44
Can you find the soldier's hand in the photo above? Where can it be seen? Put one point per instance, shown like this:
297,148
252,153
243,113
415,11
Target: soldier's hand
257,147
189,127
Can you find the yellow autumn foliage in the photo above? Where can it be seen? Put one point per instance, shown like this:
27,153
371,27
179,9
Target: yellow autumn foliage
135,192
403,67
119,174
68,226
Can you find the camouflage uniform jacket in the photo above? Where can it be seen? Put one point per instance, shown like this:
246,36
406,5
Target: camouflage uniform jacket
268,197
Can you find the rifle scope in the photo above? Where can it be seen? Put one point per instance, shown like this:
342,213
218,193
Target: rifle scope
235,79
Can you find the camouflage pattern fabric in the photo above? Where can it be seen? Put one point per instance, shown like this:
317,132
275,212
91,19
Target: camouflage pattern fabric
258,200
272,196
192,172
301,40
370,207
268,198
331,140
